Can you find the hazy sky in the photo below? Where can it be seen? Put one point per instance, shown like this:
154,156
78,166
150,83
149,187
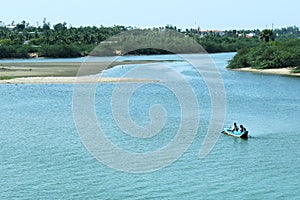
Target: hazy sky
210,14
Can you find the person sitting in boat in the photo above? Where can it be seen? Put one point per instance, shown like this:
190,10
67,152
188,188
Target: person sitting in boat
242,129
234,127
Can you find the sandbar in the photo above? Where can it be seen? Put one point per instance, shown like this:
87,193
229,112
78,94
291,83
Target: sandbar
278,71
70,80
62,72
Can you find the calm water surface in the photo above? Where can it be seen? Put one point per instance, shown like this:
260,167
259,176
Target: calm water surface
41,155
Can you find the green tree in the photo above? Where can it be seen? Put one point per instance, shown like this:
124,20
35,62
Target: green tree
60,27
46,25
266,35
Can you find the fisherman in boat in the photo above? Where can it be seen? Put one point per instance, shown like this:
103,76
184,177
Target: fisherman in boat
234,127
242,129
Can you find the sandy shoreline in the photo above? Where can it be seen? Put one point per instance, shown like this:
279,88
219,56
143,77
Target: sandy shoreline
61,72
279,71
47,73
70,80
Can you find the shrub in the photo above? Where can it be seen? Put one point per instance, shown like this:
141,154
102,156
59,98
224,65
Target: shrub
268,55
59,51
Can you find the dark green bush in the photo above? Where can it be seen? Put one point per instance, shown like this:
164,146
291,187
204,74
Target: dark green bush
59,51
15,51
268,55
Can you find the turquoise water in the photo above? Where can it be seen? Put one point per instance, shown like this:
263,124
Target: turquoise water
42,155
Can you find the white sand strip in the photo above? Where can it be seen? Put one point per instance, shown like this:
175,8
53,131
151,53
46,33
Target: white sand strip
279,71
49,80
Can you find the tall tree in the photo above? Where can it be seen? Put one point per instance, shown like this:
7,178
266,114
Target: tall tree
266,35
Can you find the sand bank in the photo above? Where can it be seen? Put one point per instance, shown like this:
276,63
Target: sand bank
61,72
57,69
70,80
279,71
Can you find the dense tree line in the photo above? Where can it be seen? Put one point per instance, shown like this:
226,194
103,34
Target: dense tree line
215,44
148,41
62,40
273,54
288,32
58,41
59,34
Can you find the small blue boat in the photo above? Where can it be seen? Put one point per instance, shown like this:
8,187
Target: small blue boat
238,134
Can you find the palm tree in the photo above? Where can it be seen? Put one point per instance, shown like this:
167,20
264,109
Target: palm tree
266,35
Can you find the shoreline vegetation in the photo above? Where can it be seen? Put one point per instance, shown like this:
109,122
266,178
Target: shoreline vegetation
257,51
23,40
274,57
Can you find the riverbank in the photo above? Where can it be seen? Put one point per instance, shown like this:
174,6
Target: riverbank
70,80
60,72
277,71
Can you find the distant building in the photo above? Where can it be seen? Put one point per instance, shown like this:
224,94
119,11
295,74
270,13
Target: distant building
10,27
250,35
212,32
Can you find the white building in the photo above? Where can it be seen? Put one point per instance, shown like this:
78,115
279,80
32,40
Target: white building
10,27
250,35
211,32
